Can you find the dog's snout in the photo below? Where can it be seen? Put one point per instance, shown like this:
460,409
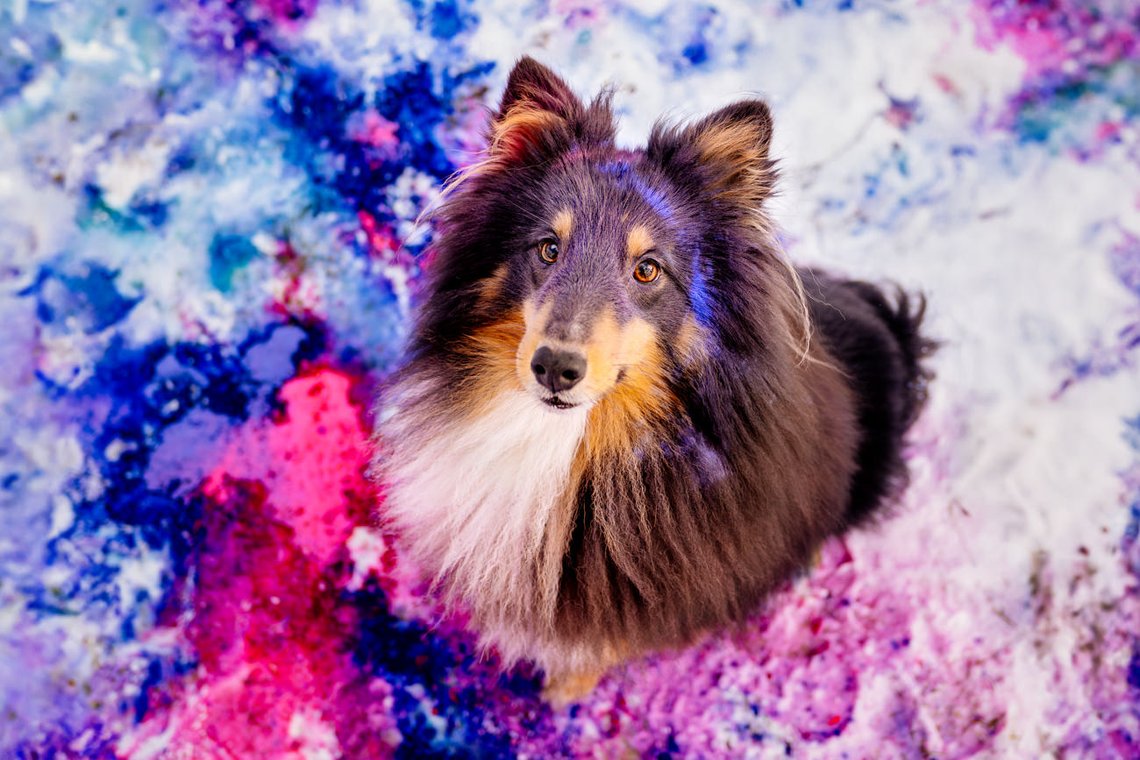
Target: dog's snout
557,370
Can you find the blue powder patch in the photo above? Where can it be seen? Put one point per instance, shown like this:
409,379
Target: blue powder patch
85,299
142,215
1044,112
1134,667
317,104
444,19
697,50
420,665
229,253
271,360
24,51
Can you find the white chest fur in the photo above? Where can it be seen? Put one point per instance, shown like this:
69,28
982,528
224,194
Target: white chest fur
472,499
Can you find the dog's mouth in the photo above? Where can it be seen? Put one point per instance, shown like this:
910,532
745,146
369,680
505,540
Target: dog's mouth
557,403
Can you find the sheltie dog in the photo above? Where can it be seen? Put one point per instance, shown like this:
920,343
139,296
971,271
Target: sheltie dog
624,417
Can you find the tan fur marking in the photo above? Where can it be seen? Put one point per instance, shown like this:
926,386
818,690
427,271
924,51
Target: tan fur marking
638,241
731,142
620,416
509,136
492,287
742,156
516,131
621,410
566,687
492,351
689,344
562,224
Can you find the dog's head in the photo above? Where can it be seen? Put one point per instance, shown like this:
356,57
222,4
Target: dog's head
577,267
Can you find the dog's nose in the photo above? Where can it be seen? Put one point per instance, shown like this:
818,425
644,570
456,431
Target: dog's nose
557,370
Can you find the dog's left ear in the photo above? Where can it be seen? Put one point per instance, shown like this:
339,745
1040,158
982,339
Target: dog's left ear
724,154
539,116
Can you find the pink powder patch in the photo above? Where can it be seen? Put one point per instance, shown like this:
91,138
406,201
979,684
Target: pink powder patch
382,240
287,12
270,627
1041,49
312,463
370,128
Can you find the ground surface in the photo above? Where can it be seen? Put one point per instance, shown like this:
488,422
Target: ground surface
201,284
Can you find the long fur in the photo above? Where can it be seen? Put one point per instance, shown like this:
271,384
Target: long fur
736,416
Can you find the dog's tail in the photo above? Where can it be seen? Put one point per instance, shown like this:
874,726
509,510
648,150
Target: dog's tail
903,316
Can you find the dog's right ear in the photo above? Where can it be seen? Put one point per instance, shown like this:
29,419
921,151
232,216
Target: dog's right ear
539,117
532,85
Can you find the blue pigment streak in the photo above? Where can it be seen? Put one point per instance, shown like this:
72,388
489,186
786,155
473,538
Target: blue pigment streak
229,253
1045,107
85,298
1134,667
18,70
654,198
699,297
142,215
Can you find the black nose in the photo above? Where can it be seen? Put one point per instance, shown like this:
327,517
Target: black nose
558,370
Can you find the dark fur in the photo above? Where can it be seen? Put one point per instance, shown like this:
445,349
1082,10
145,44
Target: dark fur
763,452
880,345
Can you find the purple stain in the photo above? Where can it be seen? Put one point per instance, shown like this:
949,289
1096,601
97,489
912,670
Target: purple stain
273,359
1125,260
1076,54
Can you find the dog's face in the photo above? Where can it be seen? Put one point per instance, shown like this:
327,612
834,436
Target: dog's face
601,259
602,278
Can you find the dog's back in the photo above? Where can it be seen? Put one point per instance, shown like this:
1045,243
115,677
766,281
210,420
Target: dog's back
877,339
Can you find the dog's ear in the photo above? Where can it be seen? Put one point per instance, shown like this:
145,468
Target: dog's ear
724,155
532,85
539,116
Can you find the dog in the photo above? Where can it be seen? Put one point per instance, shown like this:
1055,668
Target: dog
624,418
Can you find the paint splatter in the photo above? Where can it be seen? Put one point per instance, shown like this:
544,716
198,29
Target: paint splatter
208,254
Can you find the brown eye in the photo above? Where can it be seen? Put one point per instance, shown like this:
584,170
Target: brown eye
647,270
548,251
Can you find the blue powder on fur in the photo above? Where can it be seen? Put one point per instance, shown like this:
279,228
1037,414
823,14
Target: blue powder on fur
699,297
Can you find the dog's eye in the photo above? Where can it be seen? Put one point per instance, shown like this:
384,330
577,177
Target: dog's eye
548,251
647,270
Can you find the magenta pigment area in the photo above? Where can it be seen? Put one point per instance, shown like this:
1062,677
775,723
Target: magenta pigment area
209,252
